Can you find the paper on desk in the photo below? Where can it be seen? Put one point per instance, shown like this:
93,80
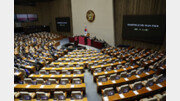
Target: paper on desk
115,70
41,75
105,72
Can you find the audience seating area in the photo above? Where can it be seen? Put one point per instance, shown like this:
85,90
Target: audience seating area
44,72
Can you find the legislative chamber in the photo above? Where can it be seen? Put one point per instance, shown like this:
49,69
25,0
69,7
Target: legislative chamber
89,50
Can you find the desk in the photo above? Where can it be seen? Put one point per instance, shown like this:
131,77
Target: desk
132,96
53,87
95,75
67,99
57,76
122,81
106,65
62,68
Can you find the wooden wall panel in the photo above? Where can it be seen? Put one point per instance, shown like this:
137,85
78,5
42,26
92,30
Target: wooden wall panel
20,9
60,8
136,7
47,12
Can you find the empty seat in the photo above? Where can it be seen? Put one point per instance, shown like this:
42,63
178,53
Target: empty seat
123,74
76,81
108,68
148,82
43,72
98,70
61,65
42,95
64,81
25,95
118,66
76,72
108,91
53,72
28,81
60,95
139,71
136,86
102,78
159,79
52,81
40,81
114,77
149,99
133,72
66,72
123,89
76,95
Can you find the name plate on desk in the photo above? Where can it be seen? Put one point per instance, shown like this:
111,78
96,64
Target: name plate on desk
52,75
115,70
121,95
72,86
57,86
74,75
147,73
149,89
135,92
100,83
28,86
159,85
31,75
42,86
124,68
63,75
105,72
113,81
137,76
41,75
126,79
132,66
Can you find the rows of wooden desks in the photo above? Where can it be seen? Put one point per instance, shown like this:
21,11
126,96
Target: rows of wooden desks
67,99
139,57
95,75
52,87
106,65
57,76
132,95
84,62
62,68
126,80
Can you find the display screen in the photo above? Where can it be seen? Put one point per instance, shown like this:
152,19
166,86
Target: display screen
63,24
148,28
32,17
22,17
25,17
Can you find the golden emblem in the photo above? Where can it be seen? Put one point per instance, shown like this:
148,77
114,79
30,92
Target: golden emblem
90,16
